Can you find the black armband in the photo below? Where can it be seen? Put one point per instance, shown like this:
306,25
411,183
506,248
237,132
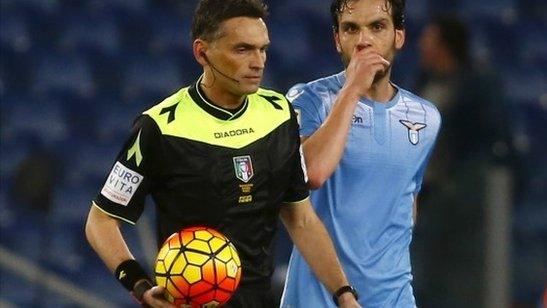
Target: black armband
343,290
129,272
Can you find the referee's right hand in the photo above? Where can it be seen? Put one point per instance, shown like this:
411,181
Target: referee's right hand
155,298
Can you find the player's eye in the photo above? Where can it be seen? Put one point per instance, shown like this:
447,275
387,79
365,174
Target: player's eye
378,26
350,28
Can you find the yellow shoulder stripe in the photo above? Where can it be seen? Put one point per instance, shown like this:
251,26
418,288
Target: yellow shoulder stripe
192,122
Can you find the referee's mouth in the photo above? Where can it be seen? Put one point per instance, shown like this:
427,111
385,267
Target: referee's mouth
253,78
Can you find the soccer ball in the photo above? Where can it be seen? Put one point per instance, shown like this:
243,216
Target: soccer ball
198,267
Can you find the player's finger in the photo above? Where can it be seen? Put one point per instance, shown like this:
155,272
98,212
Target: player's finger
372,62
385,62
155,298
371,58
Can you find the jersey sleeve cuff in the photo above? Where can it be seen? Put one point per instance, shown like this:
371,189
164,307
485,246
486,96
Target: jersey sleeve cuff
297,202
95,204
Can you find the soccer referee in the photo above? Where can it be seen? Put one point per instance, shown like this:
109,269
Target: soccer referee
221,152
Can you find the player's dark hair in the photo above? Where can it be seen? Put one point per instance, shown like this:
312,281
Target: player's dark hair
455,35
397,11
211,13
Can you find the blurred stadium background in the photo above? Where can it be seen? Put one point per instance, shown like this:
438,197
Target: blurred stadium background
74,74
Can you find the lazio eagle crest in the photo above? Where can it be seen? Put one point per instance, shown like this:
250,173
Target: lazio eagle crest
413,130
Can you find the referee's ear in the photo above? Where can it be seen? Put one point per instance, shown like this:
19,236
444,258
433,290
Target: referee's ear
199,48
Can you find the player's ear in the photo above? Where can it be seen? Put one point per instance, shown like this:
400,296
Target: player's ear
199,48
399,38
337,40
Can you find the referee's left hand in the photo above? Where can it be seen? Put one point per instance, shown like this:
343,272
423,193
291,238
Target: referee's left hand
155,298
347,300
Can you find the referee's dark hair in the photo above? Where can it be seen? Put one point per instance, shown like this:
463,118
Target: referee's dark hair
211,13
397,11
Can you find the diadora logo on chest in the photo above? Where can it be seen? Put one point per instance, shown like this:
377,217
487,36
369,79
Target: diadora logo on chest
234,133
413,130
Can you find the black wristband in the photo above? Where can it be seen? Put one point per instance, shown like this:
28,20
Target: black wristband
129,272
343,290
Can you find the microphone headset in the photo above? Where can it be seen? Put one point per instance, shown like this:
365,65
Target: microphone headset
214,68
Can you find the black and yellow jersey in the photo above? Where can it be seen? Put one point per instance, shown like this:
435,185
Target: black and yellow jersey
204,165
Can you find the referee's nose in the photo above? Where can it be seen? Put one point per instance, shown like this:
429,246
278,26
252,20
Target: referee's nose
258,60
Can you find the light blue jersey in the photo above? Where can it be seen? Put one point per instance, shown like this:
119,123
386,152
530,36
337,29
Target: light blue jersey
366,204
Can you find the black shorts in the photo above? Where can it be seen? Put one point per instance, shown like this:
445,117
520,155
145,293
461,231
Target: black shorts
251,298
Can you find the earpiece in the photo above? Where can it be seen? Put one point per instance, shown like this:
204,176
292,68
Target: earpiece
215,69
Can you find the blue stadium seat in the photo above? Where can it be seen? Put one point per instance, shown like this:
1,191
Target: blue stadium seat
535,117
533,10
37,119
14,32
489,40
25,236
16,70
15,290
151,77
532,44
15,44
301,8
89,170
525,83
122,7
71,202
40,17
170,32
7,215
116,120
13,153
417,10
80,115
501,9
44,6
291,56
69,237
90,33
59,72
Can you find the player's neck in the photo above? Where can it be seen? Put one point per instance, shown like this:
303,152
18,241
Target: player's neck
382,90
218,95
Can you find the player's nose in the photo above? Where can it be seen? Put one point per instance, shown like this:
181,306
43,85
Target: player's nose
365,40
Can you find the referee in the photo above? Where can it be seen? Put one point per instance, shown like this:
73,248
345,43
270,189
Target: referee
221,152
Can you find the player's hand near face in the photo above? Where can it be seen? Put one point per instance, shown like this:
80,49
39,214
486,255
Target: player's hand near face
323,150
364,66
155,298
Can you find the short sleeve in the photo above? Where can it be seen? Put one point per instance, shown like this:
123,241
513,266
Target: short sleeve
132,175
419,177
305,103
297,189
